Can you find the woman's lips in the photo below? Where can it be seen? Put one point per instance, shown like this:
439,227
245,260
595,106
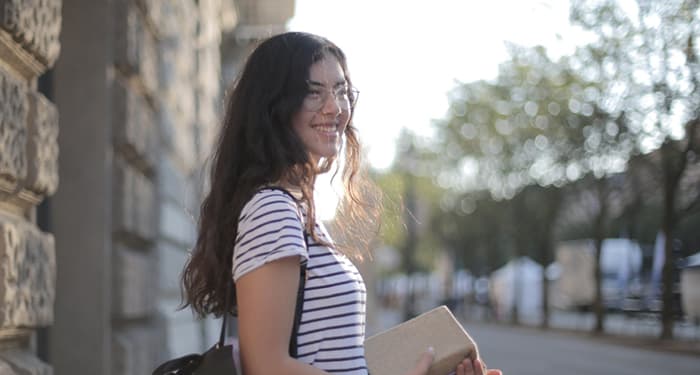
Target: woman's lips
327,129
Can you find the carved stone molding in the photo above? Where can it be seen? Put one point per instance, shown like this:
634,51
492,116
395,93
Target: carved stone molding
19,59
27,275
14,108
42,145
19,362
35,24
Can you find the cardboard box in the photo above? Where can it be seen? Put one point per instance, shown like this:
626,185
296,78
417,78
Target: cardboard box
396,350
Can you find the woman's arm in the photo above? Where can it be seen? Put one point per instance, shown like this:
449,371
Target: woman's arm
266,304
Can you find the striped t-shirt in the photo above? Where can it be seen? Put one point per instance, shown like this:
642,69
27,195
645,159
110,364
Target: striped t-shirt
332,327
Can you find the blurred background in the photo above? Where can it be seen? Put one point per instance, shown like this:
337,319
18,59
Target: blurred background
540,164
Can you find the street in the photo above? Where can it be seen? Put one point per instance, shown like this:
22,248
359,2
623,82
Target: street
527,351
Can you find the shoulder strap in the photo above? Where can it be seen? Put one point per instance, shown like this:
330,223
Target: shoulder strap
230,290
300,303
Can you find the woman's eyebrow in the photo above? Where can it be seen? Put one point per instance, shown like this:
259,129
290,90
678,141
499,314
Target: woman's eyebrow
316,83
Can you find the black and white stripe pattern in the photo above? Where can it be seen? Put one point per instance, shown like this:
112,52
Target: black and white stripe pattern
332,328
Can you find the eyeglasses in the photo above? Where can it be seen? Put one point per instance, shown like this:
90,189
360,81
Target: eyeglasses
316,96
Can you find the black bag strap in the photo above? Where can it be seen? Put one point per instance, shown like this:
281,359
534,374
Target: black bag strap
299,305
227,305
297,311
299,300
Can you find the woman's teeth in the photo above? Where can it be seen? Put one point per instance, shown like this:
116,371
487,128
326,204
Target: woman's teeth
325,128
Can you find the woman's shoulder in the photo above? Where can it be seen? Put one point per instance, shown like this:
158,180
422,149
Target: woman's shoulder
275,191
268,199
270,227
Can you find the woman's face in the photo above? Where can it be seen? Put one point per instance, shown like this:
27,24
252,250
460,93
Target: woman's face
325,112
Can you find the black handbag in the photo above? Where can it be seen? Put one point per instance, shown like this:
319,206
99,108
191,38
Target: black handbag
218,360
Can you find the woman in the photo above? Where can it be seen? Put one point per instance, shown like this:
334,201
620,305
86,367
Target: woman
288,117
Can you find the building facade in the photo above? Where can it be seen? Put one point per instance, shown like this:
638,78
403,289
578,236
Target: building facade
119,100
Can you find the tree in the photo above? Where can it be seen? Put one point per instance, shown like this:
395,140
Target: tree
543,205
539,123
650,50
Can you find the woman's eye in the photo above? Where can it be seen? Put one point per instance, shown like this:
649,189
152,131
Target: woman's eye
313,94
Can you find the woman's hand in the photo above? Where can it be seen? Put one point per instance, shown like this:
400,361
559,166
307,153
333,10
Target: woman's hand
474,367
467,367
424,362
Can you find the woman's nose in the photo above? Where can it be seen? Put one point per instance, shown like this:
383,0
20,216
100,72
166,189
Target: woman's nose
331,105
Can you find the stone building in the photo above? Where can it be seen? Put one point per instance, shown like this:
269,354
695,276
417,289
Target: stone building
119,100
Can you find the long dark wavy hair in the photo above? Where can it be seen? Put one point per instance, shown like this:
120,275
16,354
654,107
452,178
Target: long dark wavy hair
257,146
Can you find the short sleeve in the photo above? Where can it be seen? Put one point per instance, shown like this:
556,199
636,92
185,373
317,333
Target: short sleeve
269,228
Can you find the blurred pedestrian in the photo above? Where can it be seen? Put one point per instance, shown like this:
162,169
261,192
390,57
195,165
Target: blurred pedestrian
287,119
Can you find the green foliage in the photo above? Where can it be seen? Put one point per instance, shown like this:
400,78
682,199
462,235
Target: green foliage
398,217
648,54
539,123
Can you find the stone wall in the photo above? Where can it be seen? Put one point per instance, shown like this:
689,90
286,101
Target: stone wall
137,338
190,111
29,45
138,87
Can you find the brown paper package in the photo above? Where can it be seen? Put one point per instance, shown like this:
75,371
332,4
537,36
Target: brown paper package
396,350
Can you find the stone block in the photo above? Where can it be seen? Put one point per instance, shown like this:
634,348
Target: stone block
5,368
152,10
126,35
171,260
14,108
136,45
36,24
178,130
146,207
176,225
148,64
208,98
185,150
135,132
27,275
173,18
134,203
123,203
172,183
42,145
137,349
184,333
17,362
135,283
265,13
210,13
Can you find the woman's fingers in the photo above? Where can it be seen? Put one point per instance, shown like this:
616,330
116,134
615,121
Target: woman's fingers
475,367
424,362
465,367
480,368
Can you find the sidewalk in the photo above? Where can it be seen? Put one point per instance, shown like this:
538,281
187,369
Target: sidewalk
641,331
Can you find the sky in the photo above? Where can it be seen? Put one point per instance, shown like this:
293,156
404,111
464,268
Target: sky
405,56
